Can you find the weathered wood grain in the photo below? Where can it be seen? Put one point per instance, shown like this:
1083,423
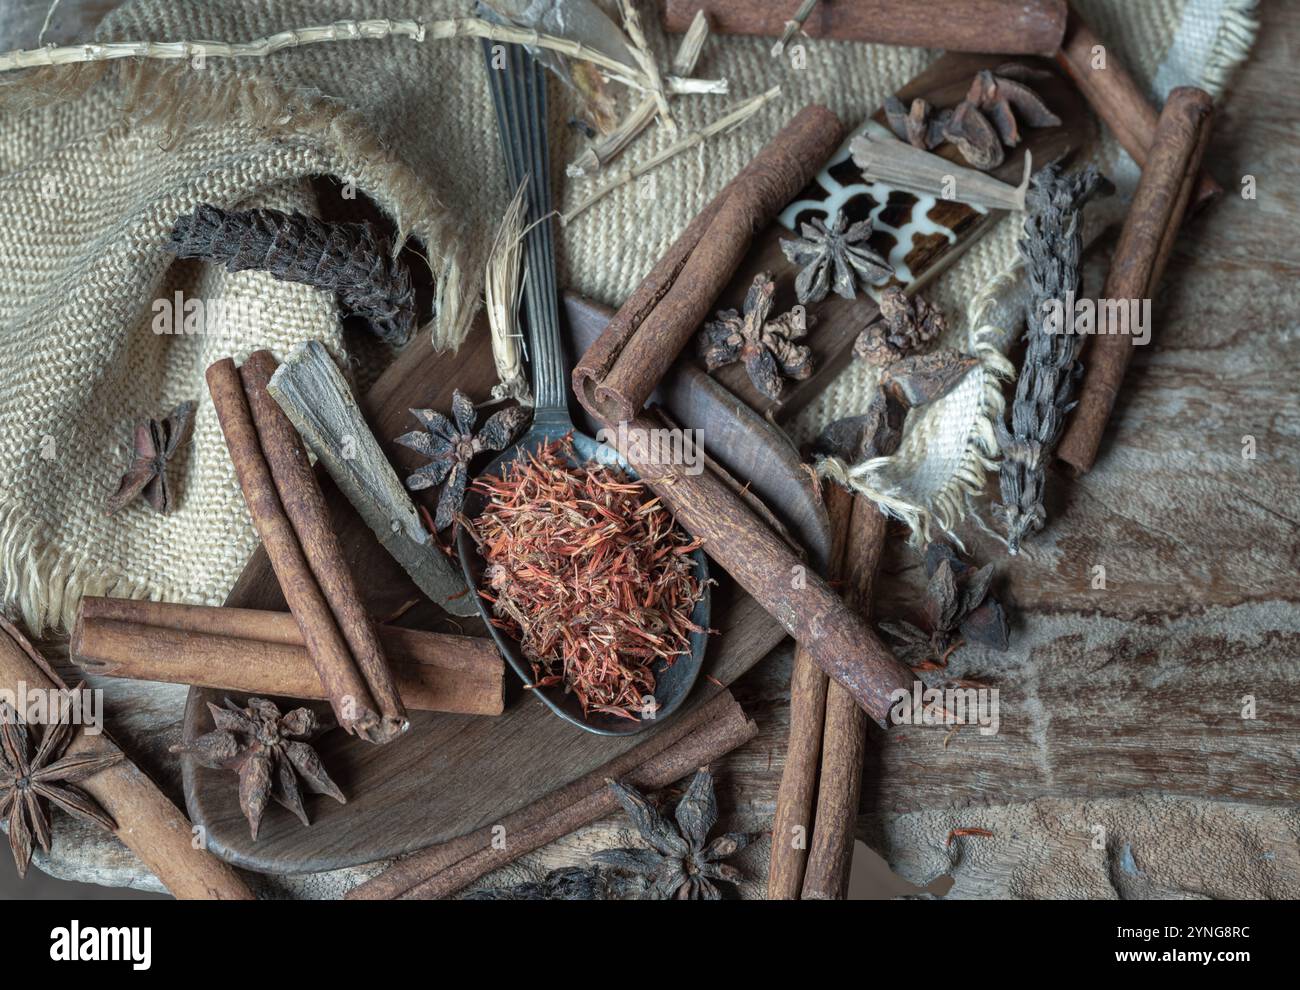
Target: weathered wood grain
1199,546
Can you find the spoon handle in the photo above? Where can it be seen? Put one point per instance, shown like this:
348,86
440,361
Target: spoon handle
518,84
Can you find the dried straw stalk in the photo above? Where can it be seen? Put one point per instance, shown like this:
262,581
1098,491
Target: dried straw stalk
739,113
353,30
501,294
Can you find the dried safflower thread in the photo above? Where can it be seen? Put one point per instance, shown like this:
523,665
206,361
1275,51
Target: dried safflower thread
595,581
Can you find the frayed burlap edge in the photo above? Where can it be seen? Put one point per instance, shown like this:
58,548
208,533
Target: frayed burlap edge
950,503
45,582
175,100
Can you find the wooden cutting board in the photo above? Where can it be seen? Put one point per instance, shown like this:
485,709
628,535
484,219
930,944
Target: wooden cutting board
452,774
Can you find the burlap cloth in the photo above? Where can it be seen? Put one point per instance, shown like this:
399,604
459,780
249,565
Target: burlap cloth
91,183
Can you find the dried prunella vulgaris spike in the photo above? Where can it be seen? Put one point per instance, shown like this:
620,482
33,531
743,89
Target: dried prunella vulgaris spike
451,444
1005,100
905,326
958,608
876,433
975,137
923,378
29,780
767,347
836,257
269,751
156,442
681,862
1052,249
349,259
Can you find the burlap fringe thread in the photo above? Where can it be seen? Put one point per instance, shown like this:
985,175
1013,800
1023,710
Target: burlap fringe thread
948,505
175,100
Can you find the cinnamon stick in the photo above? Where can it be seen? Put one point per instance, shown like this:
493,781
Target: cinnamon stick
617,374
1011,27
844,737
262,653
1145,243
1117,99
301,496
147,822
692,740
837,639
792,823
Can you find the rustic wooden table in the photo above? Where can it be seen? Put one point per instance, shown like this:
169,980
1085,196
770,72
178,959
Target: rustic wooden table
1148,745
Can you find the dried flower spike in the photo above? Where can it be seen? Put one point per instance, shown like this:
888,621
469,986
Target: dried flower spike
345,258
156,442
269,751
681,863
1052,248
27,781
834,257
905,327
450,446
766,346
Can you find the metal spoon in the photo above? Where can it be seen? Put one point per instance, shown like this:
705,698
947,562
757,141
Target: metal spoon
519,95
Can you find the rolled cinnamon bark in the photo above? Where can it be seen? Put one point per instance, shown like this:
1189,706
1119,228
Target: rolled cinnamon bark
1117,99
147,822
696,738
617,374
1145,242
836,638
1012,27
262,653
350,697
301,496
844,736
792,825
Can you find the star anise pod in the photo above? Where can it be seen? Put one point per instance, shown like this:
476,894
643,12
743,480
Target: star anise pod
840,250
156,441
682,863
975,137
766,346
958,608
451,445
269,751
1003,97
906,326
28,781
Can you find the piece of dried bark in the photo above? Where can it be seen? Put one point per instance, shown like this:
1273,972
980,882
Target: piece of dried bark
767,347
156,442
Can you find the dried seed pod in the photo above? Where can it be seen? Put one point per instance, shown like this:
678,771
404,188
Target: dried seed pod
975,137
924,378
876,433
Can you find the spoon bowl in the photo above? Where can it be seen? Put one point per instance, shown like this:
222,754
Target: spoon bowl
673,678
